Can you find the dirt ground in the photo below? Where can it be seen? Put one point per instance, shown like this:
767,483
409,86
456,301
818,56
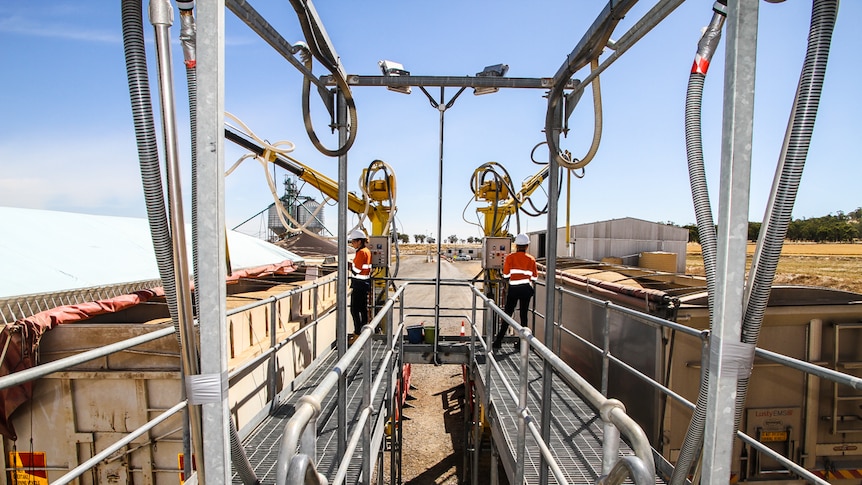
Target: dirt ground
433,429
433,449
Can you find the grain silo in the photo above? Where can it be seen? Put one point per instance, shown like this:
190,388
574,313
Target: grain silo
304,211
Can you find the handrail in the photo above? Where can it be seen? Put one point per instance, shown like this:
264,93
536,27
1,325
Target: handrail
614,416
309,405
43,370
48,368
253,362
647,319
302,472
528,420
611,411
341,473
293,291
296,440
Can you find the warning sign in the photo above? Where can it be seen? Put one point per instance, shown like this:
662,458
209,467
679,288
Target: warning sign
28,468
773,436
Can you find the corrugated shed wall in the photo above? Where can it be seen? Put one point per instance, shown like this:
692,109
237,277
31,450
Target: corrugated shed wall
625,238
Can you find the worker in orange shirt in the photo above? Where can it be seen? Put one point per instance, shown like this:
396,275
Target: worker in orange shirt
360,280
519,269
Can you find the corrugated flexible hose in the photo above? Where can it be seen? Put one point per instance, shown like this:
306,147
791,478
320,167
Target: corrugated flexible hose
791,163
693,441
148,154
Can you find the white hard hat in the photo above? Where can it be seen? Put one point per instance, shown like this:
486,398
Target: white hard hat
356,234
522,240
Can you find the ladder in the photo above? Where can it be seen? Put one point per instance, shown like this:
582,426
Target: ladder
846,415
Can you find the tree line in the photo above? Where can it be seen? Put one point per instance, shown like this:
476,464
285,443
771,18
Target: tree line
841,227
453,239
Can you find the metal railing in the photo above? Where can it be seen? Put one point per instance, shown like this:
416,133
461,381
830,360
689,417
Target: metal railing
268,356
647,319
300,433
299,441
640,467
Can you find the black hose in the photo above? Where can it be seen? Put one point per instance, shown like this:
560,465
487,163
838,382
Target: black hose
797,141
693,441
794,152
697,180
148,153
240,459
306,109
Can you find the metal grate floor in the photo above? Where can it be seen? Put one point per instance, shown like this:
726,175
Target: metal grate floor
576,429
262,444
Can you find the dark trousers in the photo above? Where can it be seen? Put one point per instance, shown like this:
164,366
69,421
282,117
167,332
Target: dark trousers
359,303
519,295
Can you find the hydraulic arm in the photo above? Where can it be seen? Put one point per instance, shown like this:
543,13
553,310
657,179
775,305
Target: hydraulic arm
378,214
503,201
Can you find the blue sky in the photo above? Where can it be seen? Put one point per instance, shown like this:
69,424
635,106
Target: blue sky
67,140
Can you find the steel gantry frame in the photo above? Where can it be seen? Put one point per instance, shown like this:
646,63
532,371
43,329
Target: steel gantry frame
736,156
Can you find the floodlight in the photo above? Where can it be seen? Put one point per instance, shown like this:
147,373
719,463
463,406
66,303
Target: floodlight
394,69
497,70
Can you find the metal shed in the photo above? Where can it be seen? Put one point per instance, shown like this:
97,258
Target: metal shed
624,238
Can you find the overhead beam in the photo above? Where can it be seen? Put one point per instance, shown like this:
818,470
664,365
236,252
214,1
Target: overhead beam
245,12
595,39
450,81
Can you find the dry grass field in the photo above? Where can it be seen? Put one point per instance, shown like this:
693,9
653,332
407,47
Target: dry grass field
836,266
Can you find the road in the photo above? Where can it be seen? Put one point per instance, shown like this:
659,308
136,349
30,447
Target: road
433,448
455,301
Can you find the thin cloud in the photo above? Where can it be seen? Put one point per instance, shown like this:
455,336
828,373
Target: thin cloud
24,26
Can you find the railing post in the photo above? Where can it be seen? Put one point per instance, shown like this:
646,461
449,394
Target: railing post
314,302
557,341
473,319
523,387
273,359
393,403
315,314
606,335
477,443
489,328
610,436
367,380
399,429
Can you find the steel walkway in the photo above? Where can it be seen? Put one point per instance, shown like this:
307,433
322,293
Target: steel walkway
576,429
576,433
262,445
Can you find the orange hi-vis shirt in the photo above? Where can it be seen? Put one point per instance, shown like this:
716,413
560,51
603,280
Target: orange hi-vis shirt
520,268
362,264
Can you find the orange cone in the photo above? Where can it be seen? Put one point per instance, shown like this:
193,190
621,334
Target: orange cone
463,332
